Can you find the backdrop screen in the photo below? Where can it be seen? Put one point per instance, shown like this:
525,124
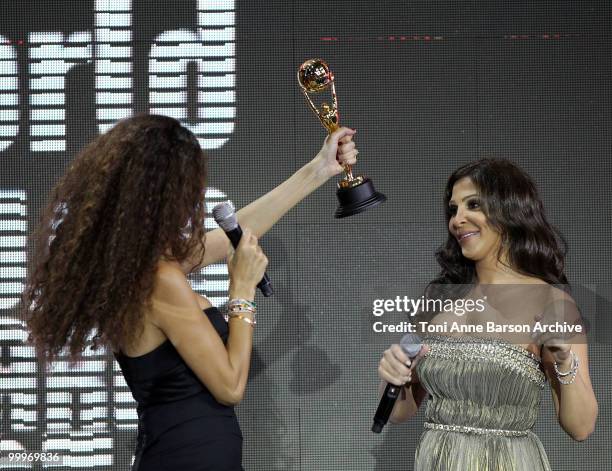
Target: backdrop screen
428,85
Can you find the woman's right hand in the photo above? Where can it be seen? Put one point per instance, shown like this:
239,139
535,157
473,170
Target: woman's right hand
394,366
246,267
338,150
397,368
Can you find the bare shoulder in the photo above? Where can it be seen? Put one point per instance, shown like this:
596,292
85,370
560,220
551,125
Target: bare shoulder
557,294
562,304
173,291
171,283
532,280
553,294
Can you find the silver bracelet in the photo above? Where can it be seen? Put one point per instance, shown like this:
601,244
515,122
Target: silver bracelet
572,371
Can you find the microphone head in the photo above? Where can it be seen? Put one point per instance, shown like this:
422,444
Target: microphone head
225,216
411,344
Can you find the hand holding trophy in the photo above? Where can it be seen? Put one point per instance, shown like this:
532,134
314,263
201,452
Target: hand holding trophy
355,194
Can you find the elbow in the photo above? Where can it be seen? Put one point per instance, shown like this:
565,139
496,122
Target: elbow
236,397
582,429
582,435
228,400
399,417
230,387
231,396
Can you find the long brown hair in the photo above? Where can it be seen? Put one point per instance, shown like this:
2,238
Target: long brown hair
132,195
512,205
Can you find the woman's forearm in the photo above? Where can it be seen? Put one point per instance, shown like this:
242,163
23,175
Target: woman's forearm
264,212
577,407
239,347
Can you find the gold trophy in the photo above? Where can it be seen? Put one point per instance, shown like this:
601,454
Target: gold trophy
355,194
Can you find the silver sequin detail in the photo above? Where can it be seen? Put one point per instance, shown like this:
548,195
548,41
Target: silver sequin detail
476,430
496,350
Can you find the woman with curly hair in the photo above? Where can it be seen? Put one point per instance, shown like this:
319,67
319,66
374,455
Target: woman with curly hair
484,390
124,227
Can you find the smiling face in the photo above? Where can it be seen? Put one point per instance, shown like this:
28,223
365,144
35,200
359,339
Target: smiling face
468,223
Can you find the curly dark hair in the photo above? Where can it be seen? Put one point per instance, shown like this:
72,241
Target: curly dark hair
132,195
510,201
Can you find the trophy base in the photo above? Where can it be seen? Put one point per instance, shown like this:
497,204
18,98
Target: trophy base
356,199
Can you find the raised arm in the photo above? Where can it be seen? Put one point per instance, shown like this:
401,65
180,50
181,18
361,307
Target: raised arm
263,213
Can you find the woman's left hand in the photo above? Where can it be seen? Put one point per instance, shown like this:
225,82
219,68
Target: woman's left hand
555,342
338,150
559,350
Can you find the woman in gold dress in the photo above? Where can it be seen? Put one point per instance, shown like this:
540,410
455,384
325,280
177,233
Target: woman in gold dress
484,390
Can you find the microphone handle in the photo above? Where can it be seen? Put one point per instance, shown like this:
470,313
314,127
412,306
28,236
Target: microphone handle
387,401
265,285
411,345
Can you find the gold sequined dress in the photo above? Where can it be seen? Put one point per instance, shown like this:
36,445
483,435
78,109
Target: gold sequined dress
484,396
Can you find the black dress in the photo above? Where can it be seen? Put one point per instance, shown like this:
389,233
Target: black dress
180,424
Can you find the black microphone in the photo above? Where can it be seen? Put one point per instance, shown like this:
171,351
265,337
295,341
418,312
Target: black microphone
411,345
226,218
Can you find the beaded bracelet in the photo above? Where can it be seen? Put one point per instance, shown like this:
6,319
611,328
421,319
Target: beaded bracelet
572,371
238,307
241,305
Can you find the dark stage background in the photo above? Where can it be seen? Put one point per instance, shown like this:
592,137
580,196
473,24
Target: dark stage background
429,85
